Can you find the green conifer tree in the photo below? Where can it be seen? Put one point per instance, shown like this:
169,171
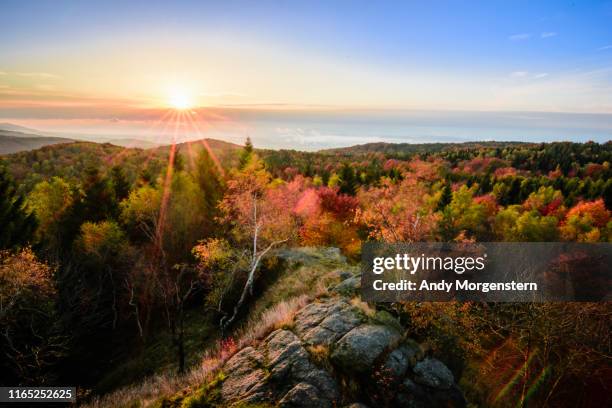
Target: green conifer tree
16,225
247,152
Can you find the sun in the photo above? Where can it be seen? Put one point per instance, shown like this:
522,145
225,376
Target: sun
180,100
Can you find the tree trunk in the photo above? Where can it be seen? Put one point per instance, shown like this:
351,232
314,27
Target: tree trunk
248,286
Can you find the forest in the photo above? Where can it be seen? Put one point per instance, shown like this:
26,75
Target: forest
120,263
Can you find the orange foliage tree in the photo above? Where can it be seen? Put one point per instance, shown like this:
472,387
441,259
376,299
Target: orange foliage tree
588,222
396,212
29,333
259,214
328,219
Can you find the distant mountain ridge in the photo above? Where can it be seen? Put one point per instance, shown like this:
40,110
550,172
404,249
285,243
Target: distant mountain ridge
14,142
412,148
22,131
387,148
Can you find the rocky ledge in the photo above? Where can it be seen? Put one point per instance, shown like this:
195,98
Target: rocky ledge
336,354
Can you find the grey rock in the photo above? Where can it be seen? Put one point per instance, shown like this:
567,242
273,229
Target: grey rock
244,361
397,363
280,343
324,382
310,316
344,274
286,356
433,373
340,319
319,336
303,395
348,287
401,359
245,377
359,348
289,364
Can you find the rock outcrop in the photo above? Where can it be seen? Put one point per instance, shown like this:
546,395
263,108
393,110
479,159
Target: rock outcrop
335,355
281,370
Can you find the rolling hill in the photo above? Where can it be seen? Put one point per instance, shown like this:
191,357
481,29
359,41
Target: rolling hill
22,131
13,141
69,159
413,148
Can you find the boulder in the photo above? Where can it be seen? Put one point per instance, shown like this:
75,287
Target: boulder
433,373
404,357
348,287
245,377
304,395
344,274
340,319
289,364
310,316
243,361
279,371
360,348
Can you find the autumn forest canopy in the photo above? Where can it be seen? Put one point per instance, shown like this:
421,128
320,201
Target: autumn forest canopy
123,251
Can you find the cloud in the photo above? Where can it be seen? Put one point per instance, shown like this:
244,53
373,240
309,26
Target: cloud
540,75
548,34
520,37
607,47
519,74
44,75
3,73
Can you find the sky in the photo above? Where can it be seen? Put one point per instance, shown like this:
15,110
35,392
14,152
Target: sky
310,74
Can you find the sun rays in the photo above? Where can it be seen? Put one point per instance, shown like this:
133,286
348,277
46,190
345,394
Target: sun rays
174,124
180,100
174,129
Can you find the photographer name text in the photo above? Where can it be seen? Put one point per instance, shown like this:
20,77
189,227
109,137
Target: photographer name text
457,285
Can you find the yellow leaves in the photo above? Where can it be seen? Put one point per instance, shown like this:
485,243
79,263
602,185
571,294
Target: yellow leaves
142,205
49,200
334,180
21,272
211,251
101,239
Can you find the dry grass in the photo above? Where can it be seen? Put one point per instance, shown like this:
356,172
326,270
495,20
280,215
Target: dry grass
279,316
320,355
151,389
309,281
363,306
